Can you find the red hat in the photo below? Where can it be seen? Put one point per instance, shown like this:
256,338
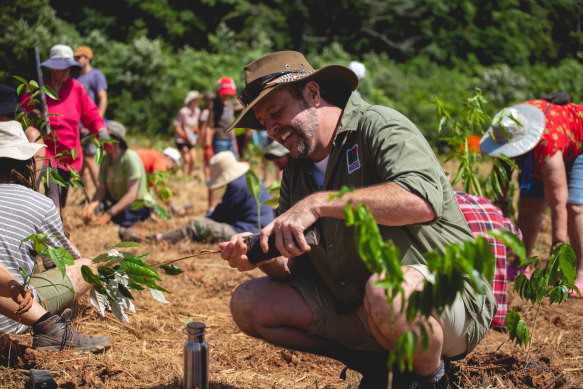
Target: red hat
226,86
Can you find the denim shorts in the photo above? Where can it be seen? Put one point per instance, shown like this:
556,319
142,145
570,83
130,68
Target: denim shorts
224,145
574,182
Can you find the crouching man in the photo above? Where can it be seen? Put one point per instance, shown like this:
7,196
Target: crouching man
323,299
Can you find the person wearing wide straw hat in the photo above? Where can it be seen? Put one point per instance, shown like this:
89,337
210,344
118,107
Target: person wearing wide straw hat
186,130
25,212
545,137
235,213
122,181
73,106
336,309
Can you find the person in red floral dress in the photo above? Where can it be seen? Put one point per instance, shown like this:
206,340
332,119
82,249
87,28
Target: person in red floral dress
545,137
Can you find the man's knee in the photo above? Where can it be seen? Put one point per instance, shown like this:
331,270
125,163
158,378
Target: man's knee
575,210
386,319
242,307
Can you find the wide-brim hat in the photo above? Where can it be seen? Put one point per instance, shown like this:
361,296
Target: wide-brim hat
287,67
524,125
9,102
116,129
61,58
14,144
225,169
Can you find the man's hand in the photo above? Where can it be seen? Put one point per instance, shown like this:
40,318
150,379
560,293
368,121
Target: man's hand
104,218
89,211
21,296
235,252
289,225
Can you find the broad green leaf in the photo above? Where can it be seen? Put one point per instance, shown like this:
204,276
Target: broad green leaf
125,291
141,274
271,202
99,301
99,155
49,92
134,260
158,295
517,329
94,280
559,294
161,211
171,270
254,184
57,178
60,257
135,286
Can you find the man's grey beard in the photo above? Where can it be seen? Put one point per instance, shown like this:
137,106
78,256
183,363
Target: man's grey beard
305,131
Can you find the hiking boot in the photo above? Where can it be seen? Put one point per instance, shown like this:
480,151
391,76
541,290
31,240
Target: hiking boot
127,234
56,334
410,380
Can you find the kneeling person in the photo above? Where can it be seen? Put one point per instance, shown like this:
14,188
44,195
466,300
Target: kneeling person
237,211
324,300
25,212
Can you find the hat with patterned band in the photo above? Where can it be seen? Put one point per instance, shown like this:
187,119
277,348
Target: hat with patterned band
279,69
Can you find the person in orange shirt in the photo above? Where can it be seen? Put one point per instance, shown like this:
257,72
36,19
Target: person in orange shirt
154,160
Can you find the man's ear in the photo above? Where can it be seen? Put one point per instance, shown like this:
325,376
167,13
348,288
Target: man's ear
312,93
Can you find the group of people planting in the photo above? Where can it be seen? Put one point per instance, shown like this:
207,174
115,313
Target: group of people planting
323,299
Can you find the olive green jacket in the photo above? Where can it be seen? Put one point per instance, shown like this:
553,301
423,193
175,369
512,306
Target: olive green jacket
372,145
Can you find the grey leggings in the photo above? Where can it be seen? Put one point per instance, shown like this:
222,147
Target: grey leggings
200,229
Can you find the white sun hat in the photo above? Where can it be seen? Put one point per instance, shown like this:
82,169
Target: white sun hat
524,125
225,169
193,94
14,144
173,153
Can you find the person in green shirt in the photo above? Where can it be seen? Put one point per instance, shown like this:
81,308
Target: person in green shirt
122,181
323,299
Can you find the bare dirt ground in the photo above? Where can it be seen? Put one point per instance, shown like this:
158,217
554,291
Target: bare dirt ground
147,351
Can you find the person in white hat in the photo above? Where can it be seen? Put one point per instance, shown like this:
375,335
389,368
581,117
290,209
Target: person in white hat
166,160
25,212
360,70
235,213
336,308
545,137
187,131
72,107
278,155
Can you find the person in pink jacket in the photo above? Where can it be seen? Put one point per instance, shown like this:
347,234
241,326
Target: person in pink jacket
74,105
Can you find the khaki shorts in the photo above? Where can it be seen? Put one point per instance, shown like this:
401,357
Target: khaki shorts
54,292
351,330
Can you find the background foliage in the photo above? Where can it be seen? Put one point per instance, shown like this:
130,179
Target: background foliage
513,50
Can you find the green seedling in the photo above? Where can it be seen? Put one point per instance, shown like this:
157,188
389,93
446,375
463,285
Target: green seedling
119,273
254,185
471,262
553,281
